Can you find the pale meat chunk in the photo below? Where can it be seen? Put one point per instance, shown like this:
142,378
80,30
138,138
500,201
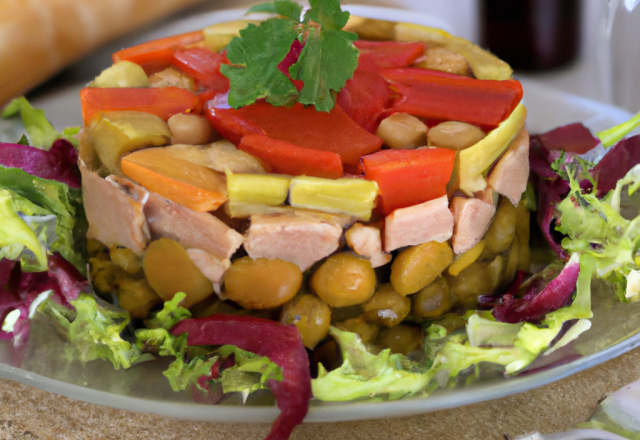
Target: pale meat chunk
367,241
191,229
115,212
510,175
302,239
471,218
212,268
428,221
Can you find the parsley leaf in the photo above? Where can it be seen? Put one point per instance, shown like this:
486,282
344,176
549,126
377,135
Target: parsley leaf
255,57
325,64
570,163
327,13
285,8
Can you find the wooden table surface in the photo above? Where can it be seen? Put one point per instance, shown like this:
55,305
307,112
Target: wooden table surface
30,413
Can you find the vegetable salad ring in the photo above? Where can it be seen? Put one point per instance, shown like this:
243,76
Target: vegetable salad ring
312,195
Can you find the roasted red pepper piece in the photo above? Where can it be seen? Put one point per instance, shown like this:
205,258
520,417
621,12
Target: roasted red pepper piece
287,158
163,102
446,97
204,66
376,55
332,131
156,55
59,163
572,138
230,125
409,177
280,343
364,98
546,292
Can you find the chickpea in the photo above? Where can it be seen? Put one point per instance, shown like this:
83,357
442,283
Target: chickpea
126,259
104,274
262,283
386,307
367,331
417,266
311,315
137,296
401,339
473,281
95,249
172,77
433,300
344,280
523,218
401,131
445,60
169,270
455,135
503,228
190,129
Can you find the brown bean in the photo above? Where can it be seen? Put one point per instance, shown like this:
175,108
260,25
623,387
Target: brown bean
190,129
262,283
169,270
433,300
344,279
367,331
311,315
472,282
454,135
401,339
402,131
503,228
417,266
386,307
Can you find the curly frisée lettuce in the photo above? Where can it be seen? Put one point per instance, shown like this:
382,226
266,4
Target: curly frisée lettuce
596,227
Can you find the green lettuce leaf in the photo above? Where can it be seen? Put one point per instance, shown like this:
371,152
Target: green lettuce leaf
94,330
611,136
34,196
285,8
40,132
364,374
249,373
16,236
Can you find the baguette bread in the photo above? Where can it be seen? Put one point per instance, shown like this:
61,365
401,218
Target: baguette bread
40,37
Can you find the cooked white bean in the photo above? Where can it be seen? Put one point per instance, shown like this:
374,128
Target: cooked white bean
190,129
454,135
401,131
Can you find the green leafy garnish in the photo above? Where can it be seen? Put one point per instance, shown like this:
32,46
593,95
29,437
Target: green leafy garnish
40,132
574,164
326,62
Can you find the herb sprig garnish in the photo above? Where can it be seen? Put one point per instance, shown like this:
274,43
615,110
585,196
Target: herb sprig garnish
327,60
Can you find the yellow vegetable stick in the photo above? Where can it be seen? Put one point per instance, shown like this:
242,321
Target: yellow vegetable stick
465,260
476,159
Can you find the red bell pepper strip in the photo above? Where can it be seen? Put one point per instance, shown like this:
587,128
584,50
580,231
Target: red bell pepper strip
332,131
280,343
287,158
163,102
364,98
572,138
156,55
409,177
445,97
230,125
376,55
59,163
204,66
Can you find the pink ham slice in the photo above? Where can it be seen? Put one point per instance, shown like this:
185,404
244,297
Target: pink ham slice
210,266
510,175
471,218
191,229
367,241
298,237
428,221
114,209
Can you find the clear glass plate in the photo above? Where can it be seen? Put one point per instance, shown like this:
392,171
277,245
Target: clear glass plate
43,362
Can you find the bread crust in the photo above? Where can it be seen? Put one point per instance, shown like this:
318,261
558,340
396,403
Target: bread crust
40,37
